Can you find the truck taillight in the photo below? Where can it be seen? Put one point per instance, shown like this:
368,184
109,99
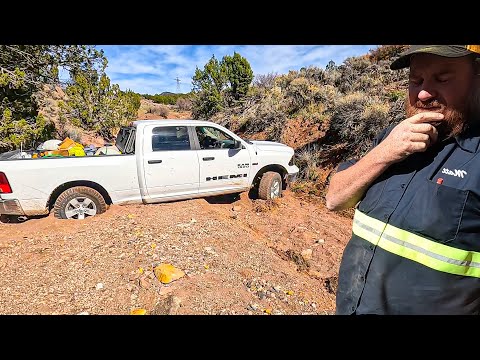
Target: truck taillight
4,185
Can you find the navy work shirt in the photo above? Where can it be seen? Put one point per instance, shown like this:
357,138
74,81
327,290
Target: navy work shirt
408,196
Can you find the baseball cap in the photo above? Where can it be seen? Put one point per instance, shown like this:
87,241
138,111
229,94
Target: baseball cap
443,50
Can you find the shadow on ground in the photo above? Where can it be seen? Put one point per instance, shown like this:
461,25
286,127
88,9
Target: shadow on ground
223,199
15,219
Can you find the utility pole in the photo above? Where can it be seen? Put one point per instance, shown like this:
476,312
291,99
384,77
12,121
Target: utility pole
178,84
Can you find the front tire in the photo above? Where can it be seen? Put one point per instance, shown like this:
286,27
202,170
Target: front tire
78,203
270,186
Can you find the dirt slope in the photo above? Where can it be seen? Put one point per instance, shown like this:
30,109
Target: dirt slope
240,257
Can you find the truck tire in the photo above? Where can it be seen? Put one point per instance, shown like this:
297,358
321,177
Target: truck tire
79,202
270,186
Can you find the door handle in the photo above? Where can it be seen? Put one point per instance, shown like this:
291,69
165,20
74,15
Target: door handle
154,161
208,158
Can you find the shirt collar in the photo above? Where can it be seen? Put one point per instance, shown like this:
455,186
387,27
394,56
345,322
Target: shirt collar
469,140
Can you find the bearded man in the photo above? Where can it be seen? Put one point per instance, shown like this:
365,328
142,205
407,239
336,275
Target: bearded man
415,245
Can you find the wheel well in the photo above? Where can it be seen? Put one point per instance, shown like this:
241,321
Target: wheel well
56,193
276,168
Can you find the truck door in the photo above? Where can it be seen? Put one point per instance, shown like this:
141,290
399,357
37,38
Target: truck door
170,163
221,166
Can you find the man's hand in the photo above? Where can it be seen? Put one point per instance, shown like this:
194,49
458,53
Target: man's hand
412,135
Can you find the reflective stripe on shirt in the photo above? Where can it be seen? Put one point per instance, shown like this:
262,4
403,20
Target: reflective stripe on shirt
416,248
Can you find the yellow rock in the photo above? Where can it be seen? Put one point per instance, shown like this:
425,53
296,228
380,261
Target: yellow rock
167,273
268,311
206,266
140,270
289,292
138,312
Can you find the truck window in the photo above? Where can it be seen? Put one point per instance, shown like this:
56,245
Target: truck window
170,138
213,138
125,141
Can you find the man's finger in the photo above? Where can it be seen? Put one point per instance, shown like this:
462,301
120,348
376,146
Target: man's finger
419,137
425,117
424,128
433,135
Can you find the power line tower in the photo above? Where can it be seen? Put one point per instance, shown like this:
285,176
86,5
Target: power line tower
178,84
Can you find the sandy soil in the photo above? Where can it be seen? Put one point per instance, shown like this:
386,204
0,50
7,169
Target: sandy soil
239,256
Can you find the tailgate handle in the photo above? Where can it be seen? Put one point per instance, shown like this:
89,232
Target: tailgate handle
208,158
154,161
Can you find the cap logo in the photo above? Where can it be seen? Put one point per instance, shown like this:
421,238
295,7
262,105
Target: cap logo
430,48
474,48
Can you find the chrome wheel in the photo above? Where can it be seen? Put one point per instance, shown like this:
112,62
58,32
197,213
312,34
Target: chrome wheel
275,190
80,207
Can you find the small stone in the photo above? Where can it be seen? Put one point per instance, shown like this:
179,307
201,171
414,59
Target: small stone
307,254
144,283
237,208
83,313
133,296
167,273
99,287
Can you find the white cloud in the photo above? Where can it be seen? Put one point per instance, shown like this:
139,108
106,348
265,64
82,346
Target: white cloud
153,69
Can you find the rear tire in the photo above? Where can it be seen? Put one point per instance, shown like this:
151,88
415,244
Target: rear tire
270,186
79,202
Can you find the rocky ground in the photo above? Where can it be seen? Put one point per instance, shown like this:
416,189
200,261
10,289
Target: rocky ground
237,256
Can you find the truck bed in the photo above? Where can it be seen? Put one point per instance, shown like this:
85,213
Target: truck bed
34,180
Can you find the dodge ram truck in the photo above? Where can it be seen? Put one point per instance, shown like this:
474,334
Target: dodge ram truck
160,160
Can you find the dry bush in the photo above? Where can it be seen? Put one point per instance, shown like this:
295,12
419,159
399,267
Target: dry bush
308,188
266,81
184,104
160,110
386,52
314,112
163,111
268,115
307,160
74,134
357,119
66,130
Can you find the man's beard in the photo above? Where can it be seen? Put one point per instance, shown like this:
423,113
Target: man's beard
454,123
456,120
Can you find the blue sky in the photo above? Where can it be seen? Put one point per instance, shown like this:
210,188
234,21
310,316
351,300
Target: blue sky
152,69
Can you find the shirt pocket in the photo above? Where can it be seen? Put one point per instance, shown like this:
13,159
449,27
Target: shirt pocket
436,212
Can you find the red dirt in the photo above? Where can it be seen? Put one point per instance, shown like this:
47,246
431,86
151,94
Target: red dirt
240,257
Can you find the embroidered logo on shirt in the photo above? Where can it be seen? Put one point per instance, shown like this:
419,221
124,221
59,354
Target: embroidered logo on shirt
455,172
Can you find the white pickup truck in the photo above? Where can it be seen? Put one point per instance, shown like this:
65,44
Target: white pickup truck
161,160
